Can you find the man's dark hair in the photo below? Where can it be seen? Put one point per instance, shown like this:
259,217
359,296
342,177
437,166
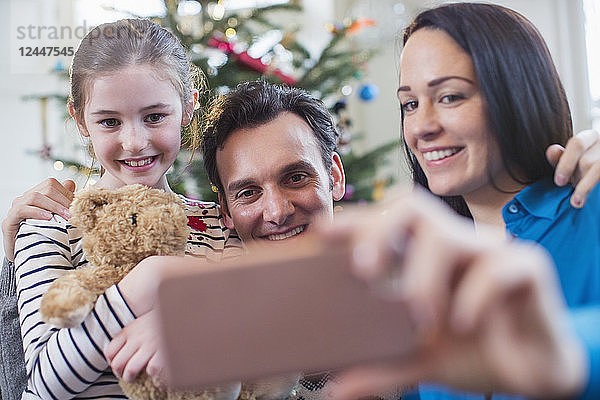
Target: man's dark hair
527,109
252,104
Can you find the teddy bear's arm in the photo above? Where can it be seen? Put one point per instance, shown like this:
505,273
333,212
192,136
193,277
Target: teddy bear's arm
65,362
70,298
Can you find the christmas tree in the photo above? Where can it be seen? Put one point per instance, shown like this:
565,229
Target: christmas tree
232,46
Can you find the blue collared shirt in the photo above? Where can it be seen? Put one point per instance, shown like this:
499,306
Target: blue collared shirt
542,213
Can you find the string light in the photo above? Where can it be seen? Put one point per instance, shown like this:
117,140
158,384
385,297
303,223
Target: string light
230,33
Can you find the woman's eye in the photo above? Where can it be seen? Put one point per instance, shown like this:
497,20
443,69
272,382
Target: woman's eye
409,106
110,122
450,98
154,118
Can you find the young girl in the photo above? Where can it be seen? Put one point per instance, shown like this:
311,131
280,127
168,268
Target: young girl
481,101
131,94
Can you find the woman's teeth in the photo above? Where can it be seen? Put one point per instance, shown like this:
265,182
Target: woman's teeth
139,163
439,154
286,235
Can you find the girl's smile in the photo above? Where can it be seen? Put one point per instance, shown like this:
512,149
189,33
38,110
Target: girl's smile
140,164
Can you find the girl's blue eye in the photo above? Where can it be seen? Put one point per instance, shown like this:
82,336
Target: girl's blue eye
154,118
110,122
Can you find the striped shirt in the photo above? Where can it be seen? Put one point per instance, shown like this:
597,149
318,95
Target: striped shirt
69,363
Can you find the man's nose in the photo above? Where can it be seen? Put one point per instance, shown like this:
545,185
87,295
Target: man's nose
277,207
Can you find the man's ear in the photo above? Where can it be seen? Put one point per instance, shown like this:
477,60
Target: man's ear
338,177
225,212
188,110
80,123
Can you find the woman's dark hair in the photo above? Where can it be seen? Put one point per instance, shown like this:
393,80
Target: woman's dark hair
527,108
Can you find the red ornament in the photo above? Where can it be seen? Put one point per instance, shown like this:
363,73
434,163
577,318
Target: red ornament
254,64
197,224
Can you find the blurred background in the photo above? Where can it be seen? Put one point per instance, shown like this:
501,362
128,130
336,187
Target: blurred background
343,51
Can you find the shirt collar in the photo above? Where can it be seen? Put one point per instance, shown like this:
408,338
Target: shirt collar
543,198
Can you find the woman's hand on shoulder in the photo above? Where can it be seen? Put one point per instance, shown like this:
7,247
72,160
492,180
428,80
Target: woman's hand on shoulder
39,202
578,163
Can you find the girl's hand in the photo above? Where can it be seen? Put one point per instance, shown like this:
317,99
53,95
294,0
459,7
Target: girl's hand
135,348
489,314
577,163
40,202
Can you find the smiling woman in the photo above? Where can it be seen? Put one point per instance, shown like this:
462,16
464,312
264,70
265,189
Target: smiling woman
445,123
481,101
496,130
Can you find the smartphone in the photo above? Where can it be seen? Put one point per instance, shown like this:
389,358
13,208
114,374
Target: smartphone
275,312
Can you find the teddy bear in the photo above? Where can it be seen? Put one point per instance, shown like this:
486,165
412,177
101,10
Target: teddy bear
119,229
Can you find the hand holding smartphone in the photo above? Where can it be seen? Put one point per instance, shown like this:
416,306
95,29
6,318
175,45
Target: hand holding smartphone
272,313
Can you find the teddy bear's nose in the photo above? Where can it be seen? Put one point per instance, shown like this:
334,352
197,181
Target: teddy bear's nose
133,219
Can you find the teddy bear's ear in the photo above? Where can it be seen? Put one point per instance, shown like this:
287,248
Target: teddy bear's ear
86,205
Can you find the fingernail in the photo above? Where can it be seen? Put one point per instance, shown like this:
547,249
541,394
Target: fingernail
560,179
577,201
46,215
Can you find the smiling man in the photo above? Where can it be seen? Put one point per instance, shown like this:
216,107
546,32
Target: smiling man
270,152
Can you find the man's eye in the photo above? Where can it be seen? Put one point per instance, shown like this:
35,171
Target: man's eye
110,122
154,118
244,194
297,178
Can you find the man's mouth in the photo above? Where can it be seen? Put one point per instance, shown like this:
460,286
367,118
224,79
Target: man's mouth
437,155
139,163
286,235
